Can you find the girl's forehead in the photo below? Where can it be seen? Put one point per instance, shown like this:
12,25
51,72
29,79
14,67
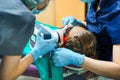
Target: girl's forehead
75,30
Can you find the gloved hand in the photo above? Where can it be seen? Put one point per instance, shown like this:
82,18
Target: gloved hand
63,57
42,46
71,20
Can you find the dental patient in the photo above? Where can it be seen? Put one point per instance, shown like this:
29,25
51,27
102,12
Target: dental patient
80,40
76,38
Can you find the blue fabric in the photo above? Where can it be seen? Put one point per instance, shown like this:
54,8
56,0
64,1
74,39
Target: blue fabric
105,24
16,27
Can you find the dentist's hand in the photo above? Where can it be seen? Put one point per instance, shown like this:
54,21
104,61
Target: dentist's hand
42,46
63,57
71,20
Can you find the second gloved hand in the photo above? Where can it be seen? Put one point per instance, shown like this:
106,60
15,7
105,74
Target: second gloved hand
71,20
63,57
42,46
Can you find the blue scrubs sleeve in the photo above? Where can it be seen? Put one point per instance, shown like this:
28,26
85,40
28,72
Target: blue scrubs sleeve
105,24
113,25
16,27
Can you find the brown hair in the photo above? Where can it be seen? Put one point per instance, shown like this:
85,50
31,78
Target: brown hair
82,42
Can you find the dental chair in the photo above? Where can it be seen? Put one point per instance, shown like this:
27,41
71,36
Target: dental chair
31,71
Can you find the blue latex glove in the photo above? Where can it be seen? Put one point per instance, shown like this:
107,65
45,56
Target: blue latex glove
63,57
71,20
42,46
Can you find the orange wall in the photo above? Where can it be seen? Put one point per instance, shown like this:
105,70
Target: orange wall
69,8
57,9
48,15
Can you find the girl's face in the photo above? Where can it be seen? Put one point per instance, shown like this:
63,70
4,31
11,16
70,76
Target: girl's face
69,32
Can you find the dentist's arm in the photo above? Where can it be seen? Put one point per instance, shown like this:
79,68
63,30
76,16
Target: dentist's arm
63,57
13,66
105,68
